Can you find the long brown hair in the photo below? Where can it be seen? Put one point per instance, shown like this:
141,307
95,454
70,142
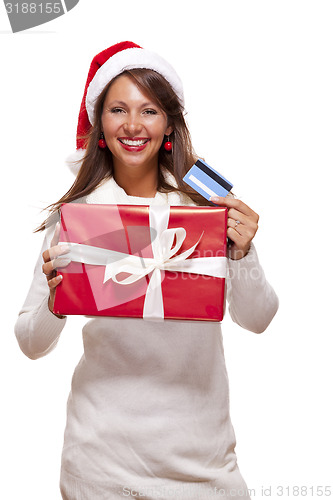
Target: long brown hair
97,163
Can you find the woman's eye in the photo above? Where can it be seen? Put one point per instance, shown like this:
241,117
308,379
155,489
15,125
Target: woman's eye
150,112
116,110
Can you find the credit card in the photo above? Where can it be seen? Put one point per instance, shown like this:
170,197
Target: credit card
206,181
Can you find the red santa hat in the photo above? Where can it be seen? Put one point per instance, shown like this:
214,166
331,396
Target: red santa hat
104,67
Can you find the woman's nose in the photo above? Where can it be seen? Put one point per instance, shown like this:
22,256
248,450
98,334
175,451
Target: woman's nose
133,124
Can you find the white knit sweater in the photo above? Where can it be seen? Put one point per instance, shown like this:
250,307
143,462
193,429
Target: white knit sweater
148,412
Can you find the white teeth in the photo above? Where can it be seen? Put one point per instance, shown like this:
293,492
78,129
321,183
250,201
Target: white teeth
129,142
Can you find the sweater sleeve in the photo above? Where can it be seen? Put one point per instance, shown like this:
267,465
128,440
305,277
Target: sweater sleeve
37,329
252,301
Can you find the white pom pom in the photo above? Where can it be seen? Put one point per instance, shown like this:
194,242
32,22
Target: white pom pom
74,160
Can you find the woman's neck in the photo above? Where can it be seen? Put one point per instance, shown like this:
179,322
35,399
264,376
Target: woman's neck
137,183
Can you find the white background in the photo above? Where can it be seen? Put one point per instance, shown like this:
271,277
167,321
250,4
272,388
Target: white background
258,84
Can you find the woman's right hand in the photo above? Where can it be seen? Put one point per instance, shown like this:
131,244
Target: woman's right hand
52,260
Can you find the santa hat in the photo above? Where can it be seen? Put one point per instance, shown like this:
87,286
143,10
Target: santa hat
104,67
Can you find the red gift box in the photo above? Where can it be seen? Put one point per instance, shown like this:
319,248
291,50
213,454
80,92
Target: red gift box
141,261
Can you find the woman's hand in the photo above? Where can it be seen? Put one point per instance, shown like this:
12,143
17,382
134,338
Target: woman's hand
52,261
242,225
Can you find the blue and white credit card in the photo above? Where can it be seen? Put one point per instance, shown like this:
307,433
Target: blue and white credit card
206,181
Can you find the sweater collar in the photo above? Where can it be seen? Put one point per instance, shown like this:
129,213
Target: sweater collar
109,192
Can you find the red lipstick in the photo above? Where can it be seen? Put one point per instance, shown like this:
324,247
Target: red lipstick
128,143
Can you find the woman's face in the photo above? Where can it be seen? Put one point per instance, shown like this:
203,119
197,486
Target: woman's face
133,125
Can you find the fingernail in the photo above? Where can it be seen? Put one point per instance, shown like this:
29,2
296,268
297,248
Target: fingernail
59,277
214,199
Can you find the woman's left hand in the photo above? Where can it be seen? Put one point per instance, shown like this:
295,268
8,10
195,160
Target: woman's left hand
242,225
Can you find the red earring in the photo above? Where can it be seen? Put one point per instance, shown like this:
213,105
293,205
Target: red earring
168,145
101,142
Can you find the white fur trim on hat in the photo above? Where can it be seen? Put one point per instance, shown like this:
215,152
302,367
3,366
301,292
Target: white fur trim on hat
130,59
74,160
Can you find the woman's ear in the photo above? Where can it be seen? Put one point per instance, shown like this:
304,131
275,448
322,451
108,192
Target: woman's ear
169,130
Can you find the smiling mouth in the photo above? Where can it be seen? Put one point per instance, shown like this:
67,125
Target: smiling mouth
133,142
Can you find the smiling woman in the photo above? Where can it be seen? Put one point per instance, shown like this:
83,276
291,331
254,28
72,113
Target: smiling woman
148,413
92,164
134,128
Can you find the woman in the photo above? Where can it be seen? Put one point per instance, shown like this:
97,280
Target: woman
148,412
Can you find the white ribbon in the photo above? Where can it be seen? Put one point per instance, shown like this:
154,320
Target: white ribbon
163,259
